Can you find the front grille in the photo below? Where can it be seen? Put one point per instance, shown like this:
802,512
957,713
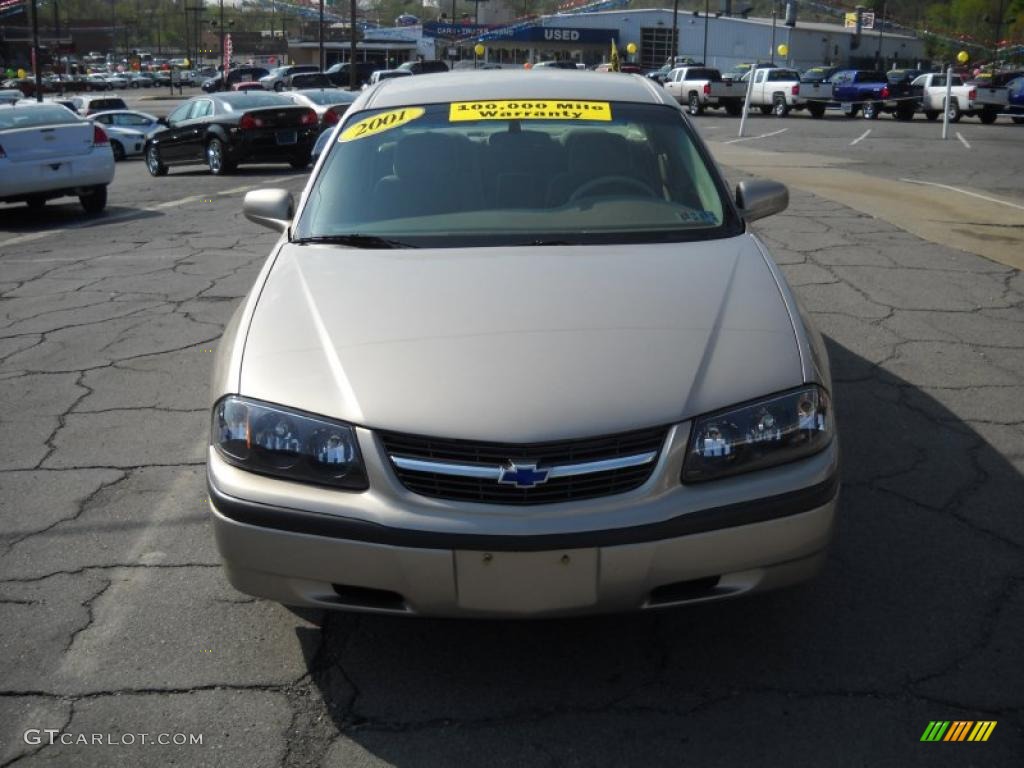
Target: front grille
548,454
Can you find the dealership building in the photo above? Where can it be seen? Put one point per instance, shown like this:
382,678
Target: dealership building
719,41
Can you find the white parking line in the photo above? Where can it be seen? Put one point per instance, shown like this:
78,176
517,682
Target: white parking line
20,239
861,138
962,139
751,138
965,192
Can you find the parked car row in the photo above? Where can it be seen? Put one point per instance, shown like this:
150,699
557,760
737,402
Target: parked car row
899,92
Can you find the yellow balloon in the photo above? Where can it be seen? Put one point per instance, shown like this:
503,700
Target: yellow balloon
21,73
631,48
187,64
478,49
962,57
783,49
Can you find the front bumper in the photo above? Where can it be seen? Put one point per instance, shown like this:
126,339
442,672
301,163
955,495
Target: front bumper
388,550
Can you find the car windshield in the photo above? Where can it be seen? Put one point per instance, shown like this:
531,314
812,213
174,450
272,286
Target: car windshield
234,102
30,117
515,172
815,75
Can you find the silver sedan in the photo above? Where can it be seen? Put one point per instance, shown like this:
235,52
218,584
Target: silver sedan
518,353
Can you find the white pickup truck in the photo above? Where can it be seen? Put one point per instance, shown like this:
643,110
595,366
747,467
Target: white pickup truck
1001,94
932,90
775,89
691,86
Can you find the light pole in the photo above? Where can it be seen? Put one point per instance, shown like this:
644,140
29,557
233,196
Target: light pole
878,51
774,15
675,31
707,12
220,29
353,79
321,38
37,71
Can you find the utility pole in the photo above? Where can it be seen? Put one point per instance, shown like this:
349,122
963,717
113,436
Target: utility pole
37,70
322,35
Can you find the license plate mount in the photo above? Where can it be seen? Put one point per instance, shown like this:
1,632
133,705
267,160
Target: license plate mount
527,582
287,137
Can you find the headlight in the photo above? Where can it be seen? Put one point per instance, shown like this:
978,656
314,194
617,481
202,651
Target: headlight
766,433
273,440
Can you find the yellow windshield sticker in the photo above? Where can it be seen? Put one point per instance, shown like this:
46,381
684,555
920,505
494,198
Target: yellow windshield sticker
511,109
385,121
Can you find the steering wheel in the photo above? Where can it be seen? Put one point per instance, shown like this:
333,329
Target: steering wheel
604,181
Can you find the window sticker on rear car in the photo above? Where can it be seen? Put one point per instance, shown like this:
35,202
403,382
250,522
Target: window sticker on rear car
526,109
384,121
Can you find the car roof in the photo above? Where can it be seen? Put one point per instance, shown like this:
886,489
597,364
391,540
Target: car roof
549,83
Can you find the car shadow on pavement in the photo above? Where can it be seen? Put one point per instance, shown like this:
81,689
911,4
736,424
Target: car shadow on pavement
917,616
19,220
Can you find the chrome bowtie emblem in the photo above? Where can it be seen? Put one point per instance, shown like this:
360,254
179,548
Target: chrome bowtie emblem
523,475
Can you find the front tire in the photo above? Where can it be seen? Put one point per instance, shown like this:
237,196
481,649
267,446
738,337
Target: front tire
695,107
95,201
153,163
118,151
779,106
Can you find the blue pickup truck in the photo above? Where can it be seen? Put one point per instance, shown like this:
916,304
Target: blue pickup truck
852,90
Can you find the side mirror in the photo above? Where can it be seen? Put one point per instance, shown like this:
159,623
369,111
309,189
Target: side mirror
758,199
273,208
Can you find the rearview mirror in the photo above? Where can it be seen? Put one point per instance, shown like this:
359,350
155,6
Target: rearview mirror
273,208
758,199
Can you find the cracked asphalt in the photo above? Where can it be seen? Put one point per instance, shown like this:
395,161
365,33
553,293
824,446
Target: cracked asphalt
115,617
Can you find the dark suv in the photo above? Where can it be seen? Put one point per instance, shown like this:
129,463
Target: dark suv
236,75
424,67
338,73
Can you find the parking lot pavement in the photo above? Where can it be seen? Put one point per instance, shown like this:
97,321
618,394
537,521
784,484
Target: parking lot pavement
115,618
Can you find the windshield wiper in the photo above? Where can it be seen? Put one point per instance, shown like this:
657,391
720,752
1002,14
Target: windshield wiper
355,240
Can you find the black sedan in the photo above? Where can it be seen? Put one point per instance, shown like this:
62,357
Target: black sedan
225,129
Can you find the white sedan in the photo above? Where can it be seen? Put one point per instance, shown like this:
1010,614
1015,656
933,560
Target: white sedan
128,118
46,151
125,142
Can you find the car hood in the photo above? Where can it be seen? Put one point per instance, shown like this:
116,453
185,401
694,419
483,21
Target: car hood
519,344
